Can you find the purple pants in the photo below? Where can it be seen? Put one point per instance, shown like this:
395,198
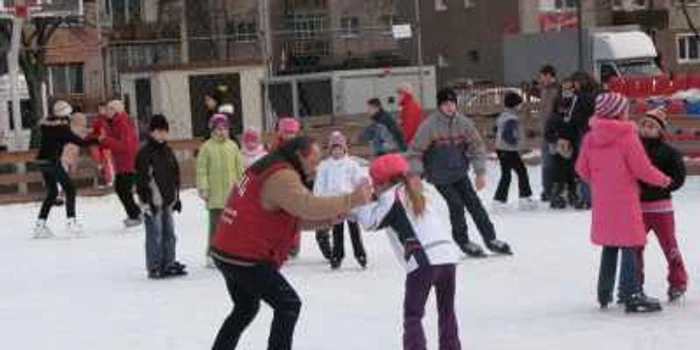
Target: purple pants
418,286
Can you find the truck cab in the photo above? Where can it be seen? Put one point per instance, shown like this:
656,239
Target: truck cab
624,54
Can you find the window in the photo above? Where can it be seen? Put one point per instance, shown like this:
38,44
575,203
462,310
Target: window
387,23
245,32
607,72
126,11
67,79
307,26
688,48
145,55
557,5
440,5
349,27
630,5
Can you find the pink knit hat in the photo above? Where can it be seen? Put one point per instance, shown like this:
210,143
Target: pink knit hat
251,135
385,169
611,105
337,139
288,126
218,120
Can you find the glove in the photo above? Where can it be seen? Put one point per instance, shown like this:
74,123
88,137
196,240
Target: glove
177,207
411,247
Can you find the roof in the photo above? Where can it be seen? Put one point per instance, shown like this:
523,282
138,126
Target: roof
623,45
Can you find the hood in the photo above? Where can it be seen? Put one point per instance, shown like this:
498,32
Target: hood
605,132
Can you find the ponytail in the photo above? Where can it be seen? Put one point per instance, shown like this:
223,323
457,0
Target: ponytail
414,189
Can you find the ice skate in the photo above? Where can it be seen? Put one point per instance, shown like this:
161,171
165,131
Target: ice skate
499,247
472,250
176,269
498,207
75,228
676,295
640,303
527,204
129,223
362,260
41,231
336,263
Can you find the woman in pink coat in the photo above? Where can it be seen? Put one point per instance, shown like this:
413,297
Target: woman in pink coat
613,161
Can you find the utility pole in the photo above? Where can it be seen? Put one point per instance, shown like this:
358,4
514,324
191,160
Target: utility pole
13,68
579,19
265,39
419,44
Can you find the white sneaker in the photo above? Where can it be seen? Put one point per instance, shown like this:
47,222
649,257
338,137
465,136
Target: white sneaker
499,207
527,204
41,231
75,228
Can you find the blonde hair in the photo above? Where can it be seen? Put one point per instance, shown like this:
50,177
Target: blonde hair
406,88
117,106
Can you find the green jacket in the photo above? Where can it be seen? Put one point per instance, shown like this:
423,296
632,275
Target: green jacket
220,165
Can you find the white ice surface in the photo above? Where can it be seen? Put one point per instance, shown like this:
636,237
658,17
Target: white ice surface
93,293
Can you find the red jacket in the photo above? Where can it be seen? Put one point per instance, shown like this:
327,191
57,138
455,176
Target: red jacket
99,124
249,233
411,116
122,140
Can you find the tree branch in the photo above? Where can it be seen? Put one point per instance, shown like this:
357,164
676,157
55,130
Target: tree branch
688,19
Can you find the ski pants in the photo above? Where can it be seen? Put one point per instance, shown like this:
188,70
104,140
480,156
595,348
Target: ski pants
511,161
664,227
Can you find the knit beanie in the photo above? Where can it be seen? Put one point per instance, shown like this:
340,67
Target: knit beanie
251,135
446,95
611,105
659,116
512,99
337,139
159,122
385,169
288,126
62,109
218,120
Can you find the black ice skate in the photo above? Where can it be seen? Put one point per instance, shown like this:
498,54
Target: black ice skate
499,247
335,263
557,201
362,260
176,269
472,250
640,303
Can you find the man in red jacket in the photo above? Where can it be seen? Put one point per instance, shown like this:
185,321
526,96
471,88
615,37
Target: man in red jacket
121,138
411,112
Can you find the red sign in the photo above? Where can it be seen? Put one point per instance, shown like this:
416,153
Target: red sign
558,21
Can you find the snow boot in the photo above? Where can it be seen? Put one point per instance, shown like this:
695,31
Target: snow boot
499,247
675,294
41,231
324,244
527,204
472,250
640,303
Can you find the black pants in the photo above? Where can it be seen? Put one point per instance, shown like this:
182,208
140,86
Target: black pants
564,173
124,185
53,175
511,161
339,240
630,276
247,286
460,195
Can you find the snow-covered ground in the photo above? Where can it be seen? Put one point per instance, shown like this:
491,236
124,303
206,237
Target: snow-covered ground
93,293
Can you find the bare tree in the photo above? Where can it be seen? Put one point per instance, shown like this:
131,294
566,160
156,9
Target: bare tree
688,18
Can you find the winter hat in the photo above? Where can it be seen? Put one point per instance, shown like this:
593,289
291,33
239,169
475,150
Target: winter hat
252,135
288,126
512,99
62,109
337,139
227,109
159,122
611,105
446,95
659,116
387,168
217,120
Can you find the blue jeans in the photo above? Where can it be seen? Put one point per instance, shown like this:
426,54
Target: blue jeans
547,169
160,239
630,281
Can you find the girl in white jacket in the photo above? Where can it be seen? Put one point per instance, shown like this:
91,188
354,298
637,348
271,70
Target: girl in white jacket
412,211
339,175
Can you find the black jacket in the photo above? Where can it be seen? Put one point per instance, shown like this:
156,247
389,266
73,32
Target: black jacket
54,135
584,109
560,127
158,175
670,162
382,117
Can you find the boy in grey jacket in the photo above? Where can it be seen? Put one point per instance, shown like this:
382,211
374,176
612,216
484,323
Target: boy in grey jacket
446,146
509,137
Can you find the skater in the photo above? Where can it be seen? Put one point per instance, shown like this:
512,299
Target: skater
287,129
657,205
56,133
446,146
384,135
71,152
120,138
253,147
549,91
338,175
220,166
560,135
158,189
411,115
509,139
256,233
612,160
413,213
99,153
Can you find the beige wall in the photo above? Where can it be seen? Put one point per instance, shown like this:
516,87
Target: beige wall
171,95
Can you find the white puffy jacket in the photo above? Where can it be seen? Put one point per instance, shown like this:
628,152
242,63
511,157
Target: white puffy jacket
337,177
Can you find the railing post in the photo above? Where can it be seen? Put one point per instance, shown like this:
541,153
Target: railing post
22,187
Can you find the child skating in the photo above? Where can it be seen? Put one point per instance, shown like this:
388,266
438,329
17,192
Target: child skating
509,139
612,160
220,166
253,147
413,212
339,175
657,204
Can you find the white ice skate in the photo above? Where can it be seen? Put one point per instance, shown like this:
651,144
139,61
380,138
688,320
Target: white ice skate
41,231
498,207
527,204
75,228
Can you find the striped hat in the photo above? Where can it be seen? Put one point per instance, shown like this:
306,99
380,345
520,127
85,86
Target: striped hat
611,105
